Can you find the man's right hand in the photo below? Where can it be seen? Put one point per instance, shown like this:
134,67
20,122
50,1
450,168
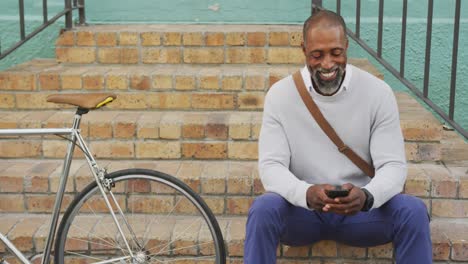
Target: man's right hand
317,197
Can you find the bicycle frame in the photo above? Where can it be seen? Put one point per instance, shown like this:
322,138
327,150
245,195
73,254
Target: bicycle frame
75,135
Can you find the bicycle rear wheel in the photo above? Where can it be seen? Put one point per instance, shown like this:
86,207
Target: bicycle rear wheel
164,221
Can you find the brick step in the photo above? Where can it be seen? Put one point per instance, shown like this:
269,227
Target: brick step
146,134
454,148
29,232
246,82
173,44
180,134
228,187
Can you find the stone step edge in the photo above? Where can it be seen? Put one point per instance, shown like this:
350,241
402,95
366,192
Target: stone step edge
235,125
216,42
237,178
188,28
48,75
215,125
454,148
220,204
447,239
156,150
241,101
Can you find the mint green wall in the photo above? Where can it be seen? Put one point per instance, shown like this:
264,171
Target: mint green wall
42,46
441,48
200,11
277,12
35,48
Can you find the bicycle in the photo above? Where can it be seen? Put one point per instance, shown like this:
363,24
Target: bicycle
127,216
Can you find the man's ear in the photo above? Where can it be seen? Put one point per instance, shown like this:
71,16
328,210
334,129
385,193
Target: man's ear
303,47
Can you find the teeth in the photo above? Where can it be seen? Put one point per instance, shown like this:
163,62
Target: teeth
328,75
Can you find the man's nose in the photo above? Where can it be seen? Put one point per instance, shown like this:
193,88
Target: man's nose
328,62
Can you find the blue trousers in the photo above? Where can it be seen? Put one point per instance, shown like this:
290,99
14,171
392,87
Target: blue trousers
403,220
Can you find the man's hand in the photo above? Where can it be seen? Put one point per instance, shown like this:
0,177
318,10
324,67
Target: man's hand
317,199
348,205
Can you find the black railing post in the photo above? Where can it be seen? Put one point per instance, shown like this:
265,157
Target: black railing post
427,62
81,12
316,4
338,7
358,18
69,14
21,17
380,30
453,81
44,11
403,38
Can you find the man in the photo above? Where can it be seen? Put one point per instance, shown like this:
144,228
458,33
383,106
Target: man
298,163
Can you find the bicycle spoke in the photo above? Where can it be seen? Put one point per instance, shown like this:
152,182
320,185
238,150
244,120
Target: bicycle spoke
105,229
177,237
94,236
129,227
165,218
180,248
181,259
91,242
102,261
82,255
113,260
132,233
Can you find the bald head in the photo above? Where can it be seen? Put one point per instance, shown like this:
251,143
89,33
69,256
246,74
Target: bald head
325,19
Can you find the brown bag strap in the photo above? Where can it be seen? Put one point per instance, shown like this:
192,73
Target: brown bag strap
328,129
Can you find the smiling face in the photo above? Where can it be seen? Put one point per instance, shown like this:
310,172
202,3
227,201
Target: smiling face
325,49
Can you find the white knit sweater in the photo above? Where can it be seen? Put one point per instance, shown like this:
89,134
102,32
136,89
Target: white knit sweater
294,153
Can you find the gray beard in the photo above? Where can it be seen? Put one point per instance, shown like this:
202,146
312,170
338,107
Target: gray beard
328,90
327,87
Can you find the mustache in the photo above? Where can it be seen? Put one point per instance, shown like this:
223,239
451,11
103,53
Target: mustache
322,70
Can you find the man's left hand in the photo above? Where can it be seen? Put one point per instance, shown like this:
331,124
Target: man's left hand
350,204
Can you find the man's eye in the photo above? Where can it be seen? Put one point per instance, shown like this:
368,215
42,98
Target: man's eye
316,55
337,52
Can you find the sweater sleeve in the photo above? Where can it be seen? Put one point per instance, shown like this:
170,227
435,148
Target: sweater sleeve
387,151
274,159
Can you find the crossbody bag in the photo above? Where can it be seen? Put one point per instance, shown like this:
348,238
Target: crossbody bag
328,129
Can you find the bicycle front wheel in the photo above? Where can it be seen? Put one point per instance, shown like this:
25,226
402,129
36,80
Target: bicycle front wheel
160,220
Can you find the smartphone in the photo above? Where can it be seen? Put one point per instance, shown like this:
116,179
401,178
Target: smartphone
337,192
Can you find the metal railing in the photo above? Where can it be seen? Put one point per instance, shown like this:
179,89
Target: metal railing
400,74
69,6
